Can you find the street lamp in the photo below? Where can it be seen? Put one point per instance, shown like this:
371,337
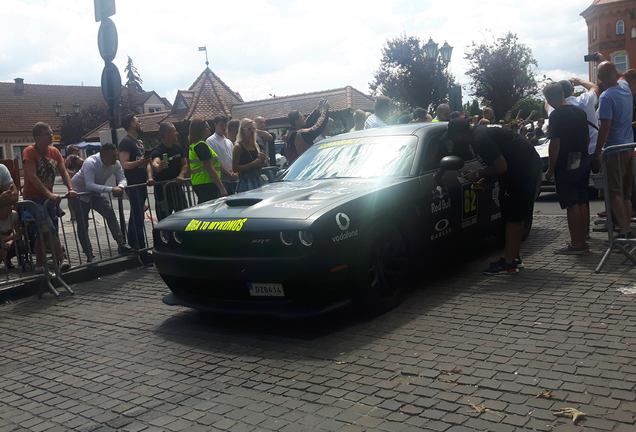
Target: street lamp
445,52
430,49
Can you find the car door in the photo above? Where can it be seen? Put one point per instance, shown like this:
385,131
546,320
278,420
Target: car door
441,212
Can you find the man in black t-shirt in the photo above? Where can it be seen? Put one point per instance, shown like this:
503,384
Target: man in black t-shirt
514,162
168,162
135,165
570,166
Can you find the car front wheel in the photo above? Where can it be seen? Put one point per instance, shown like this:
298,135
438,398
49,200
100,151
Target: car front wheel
385,281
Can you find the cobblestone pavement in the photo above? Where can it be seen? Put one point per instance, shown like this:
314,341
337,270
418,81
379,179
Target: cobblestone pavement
113,357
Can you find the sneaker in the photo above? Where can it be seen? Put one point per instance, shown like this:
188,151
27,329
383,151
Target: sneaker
146,259
517,261
501,266
568,249
65,266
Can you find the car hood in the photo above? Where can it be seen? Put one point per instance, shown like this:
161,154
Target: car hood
286,200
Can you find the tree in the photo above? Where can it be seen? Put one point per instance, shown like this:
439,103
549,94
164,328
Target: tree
132,74
474,108
525,106
75,126
501,72
408,77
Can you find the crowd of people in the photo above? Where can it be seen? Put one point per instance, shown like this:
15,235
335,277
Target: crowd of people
580,128
228,156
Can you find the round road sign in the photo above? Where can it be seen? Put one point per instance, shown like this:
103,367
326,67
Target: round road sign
111,83
107,40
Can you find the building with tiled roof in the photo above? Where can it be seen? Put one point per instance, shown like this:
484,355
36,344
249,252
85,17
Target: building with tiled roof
23,104
342,101
611,26
209,97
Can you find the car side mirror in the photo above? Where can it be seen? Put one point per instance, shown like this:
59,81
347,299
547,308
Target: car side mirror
451,163
448,163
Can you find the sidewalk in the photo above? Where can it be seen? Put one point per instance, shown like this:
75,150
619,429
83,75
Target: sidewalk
463,353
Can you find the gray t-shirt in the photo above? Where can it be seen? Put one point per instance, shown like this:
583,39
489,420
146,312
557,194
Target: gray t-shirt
5,178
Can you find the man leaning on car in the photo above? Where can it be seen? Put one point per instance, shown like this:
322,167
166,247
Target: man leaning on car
513,161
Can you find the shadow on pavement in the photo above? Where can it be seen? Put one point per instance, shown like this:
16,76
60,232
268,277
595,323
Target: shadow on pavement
431,288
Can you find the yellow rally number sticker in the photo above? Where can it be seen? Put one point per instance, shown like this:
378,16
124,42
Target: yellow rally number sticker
232,225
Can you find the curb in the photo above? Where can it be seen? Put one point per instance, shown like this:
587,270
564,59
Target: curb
75,276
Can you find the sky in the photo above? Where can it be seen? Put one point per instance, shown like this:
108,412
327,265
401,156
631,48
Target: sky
273,47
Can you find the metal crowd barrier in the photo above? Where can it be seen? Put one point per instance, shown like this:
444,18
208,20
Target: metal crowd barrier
160,200
625,246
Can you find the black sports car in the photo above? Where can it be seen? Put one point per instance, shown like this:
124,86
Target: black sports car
344,224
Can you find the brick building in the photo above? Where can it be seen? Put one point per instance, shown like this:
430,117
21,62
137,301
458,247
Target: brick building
611,26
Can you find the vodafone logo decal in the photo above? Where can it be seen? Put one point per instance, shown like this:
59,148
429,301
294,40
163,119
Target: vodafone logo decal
343,221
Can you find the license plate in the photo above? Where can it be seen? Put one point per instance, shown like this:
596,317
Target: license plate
266,290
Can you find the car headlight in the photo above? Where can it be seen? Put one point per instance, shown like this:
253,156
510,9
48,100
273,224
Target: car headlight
164,236
287,238
178,237
306,238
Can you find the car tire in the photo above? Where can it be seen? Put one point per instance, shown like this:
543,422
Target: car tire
385,279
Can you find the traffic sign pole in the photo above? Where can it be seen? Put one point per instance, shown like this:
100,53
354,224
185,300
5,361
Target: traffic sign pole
107,42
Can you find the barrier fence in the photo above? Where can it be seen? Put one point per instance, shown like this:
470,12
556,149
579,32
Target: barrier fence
626,246
92,229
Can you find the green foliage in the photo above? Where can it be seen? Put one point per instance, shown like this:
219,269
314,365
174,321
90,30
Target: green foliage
501,72
474,108
525,106
75,126
408,77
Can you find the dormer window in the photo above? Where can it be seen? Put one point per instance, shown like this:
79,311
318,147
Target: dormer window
620,27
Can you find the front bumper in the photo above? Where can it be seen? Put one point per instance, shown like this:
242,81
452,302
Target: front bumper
312,284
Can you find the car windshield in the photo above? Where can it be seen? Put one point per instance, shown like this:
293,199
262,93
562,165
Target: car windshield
387,156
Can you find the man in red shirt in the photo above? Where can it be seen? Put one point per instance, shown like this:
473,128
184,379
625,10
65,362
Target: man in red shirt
41,161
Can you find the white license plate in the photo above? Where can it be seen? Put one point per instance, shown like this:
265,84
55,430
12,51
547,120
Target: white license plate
267,290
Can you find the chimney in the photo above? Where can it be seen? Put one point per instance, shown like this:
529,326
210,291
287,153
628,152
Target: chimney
19,85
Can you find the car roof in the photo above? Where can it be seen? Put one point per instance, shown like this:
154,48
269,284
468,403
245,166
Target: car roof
418,129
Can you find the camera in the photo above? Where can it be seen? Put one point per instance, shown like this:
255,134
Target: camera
591,57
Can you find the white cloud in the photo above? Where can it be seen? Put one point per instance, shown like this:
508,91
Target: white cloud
270,46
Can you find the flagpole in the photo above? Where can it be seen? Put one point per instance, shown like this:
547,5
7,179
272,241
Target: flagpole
205,48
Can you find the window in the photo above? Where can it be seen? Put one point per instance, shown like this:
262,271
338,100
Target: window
633,32
620,60
594,33
17,152
620,27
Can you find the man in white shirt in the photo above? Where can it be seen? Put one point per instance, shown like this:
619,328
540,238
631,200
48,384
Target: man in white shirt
382,109
223,148
586,101
90,182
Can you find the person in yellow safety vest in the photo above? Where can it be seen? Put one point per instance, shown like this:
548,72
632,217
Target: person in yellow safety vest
205,168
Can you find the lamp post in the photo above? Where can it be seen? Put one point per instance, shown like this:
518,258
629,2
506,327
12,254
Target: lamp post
433,53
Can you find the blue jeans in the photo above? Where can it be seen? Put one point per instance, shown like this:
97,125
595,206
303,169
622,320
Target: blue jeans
137,197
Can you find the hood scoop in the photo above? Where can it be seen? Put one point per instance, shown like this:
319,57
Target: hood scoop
242,202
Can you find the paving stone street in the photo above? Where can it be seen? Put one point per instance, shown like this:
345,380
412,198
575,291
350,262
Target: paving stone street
462,353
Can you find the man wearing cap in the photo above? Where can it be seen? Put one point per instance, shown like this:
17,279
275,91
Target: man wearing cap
513,161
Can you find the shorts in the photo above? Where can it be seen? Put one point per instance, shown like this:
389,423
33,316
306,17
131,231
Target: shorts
572,186
518,193
42,214
620,174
